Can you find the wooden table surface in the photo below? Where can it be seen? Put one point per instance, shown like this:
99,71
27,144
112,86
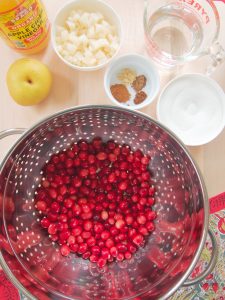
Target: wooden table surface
71,88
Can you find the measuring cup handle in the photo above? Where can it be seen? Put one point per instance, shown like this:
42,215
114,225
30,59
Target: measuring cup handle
217,55
211,264
11,131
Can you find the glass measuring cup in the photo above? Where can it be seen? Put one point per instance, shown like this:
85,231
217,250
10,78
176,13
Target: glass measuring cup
178,31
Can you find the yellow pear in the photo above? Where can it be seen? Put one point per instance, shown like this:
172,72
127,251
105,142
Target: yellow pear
29,81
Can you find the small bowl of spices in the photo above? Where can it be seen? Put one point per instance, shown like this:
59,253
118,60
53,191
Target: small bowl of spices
132,81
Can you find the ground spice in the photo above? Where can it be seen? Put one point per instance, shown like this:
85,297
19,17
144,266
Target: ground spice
139,83
127,76
140,97
120,92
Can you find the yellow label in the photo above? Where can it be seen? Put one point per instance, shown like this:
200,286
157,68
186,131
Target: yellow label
26,26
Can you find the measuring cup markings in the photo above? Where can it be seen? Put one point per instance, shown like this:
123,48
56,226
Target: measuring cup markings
197,6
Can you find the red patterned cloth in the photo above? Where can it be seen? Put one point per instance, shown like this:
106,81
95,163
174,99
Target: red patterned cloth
213,286
7,289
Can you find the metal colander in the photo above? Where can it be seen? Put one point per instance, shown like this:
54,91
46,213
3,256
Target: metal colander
33,262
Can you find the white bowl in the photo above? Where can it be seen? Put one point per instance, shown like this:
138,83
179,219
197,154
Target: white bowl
142,66
193,107
87,5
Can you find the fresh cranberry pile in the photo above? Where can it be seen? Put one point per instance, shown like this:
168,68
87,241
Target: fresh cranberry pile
96,200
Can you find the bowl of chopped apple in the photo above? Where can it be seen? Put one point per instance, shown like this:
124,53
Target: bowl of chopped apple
86,34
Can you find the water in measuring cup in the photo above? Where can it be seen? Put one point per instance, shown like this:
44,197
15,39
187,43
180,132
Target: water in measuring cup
174,34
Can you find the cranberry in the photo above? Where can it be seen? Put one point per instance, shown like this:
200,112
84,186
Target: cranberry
76,162
74,247
69,163
118,216
50,168
54,237
101,156
117,150
82,248
105,253
64,235
96,250
131,248
104,215
71,240
145,175
70,154
86,235
101,262
120,257
63,190
143,192
77,182
87,225
53,193
59,198
91,159
141,219
112,157
109,243
151,201
62,157
76,209
76,231
65,250
123,185
84,173
41,206
123,165
98,227
138,239
60,226
45,223
123,174
151,215
73,223
121,247
86,216
127,255
129,219
79,239
119,224
135,198
151,191
143,201
113,251
150,226
52,217
63,218
121,237
94,258
52,228
111,221
105,235
143,230
91,241
68,202
86,255
96,199
130,158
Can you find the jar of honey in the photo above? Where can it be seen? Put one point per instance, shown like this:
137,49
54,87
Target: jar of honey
24,25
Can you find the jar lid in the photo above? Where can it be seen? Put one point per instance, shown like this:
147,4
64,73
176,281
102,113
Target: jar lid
193,107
